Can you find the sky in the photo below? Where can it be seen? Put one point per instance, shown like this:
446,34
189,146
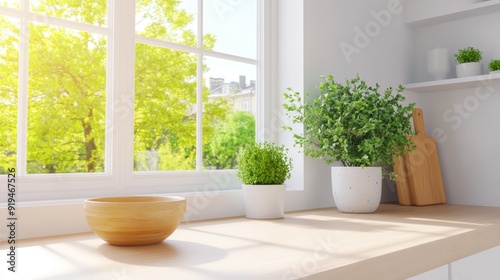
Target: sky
235,29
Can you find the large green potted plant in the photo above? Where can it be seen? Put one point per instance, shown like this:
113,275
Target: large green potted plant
469,62
354,125
263,169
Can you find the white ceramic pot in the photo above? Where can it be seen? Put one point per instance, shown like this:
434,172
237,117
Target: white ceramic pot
469,69
356,189
264,201
438,63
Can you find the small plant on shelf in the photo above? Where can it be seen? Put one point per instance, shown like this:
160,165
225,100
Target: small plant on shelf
469,62
494,65
468,54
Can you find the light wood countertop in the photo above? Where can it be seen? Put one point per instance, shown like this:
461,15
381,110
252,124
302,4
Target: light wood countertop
396,242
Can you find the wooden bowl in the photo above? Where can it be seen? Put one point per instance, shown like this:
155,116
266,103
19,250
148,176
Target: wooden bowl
134,220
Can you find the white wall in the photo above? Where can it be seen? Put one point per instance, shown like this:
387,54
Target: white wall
345,38
311,37
468,143
310,180
380,48
465,119
394,54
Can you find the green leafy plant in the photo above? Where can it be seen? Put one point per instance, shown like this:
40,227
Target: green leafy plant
468,54
494,65
352,123
264,164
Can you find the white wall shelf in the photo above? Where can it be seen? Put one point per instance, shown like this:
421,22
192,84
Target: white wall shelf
417,16
455,84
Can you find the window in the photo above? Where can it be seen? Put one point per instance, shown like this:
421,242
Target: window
190,69
66,100
55,69
80,117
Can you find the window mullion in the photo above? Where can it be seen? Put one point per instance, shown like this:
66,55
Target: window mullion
166,44
121,126
263,86
22,113
199,90
65,23
230,57
108,146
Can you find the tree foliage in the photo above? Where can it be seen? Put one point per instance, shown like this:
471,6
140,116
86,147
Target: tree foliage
9,57
229,138
66,100
67,91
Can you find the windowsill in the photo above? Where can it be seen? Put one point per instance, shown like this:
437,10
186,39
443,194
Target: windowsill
80,200
396,242
37,218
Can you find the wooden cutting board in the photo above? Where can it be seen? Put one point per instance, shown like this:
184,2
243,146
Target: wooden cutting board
424,172
402,184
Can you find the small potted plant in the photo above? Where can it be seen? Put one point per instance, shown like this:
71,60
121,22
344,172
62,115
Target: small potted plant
263,169
469,62
494,66
354,125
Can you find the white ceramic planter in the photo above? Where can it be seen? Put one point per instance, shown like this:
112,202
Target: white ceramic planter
438,63
264,201
356,189
469,69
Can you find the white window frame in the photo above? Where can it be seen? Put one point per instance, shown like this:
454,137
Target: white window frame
119,178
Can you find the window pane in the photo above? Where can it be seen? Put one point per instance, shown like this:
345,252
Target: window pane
87,11
232,83
66,100
173,21
10,3
9,57
233,24
165,109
